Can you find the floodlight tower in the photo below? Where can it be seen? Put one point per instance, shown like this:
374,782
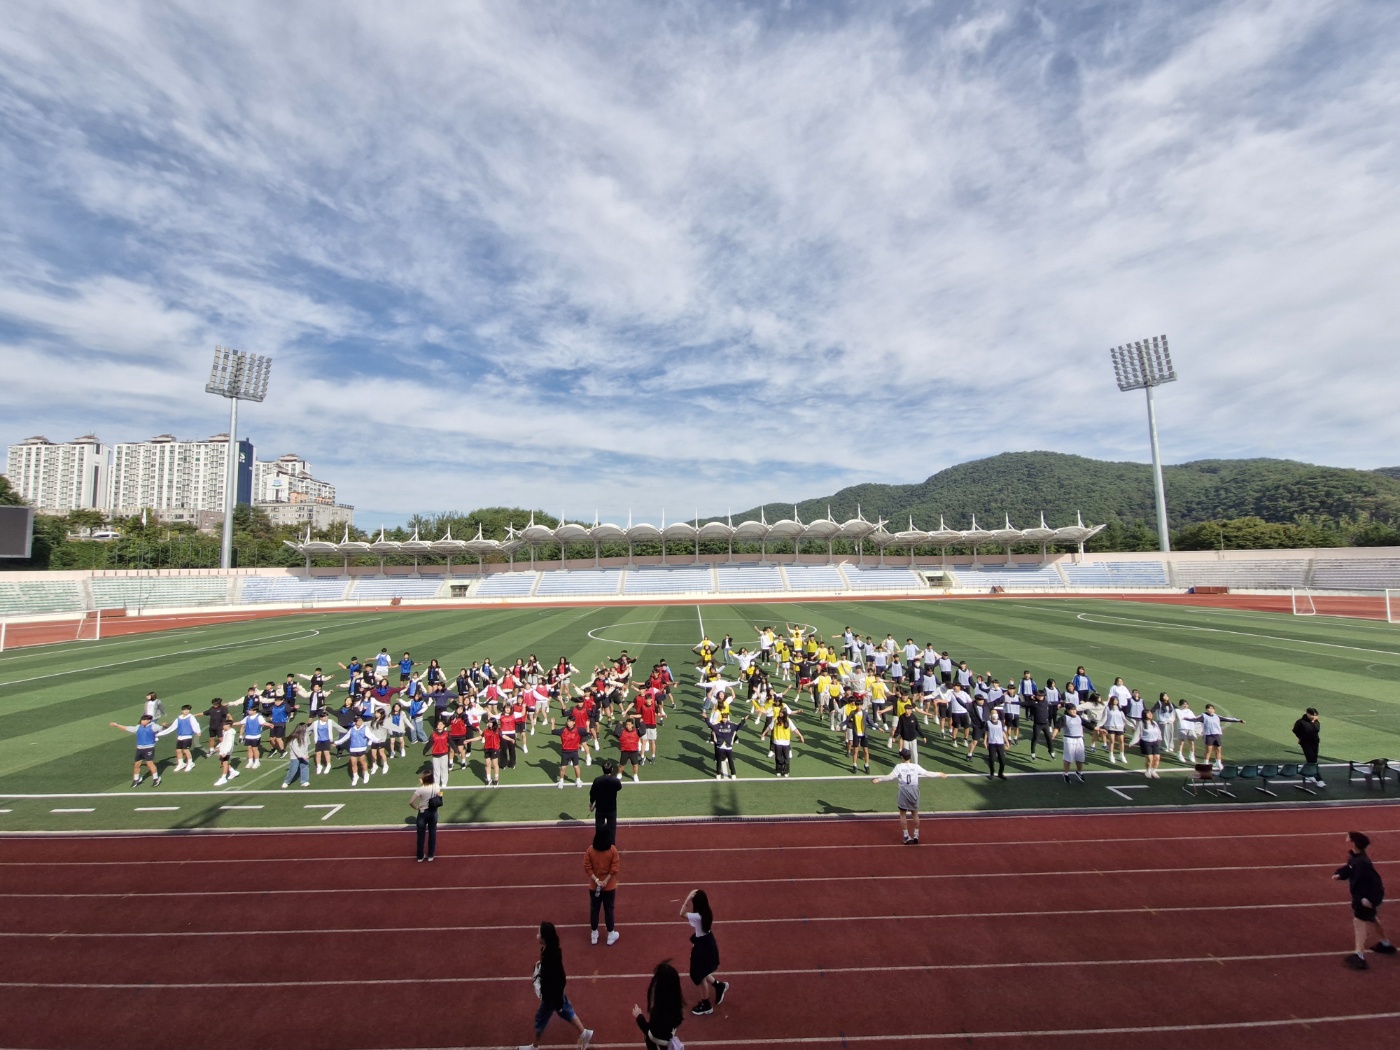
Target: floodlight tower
1142,366
237,376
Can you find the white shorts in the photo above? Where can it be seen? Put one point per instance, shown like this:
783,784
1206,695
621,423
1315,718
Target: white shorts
1074,749
1194,733
649,733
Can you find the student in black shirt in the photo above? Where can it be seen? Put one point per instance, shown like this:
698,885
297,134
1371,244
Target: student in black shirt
1367,893
602,800
1041,712
723,733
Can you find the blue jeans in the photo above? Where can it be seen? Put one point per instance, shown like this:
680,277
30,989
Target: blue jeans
300,765
416,735
543,1014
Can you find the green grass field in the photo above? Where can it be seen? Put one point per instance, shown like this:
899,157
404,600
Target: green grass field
63,768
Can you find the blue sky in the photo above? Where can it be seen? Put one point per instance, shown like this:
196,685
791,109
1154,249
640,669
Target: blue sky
695,257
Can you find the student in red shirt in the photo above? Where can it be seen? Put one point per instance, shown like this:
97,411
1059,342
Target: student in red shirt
507,732
570,741
579,719
440,747
491,751
457,734
650,713
630,742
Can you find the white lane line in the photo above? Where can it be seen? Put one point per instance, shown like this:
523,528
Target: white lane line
333,811
6,811
795,920
1105,620
512,980
240,807
89,810
925,877
156,809
701,619
845,847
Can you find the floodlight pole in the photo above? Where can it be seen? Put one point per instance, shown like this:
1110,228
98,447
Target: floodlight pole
237,376
1146,364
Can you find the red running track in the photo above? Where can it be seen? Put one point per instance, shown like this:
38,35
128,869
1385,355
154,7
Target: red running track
1153,930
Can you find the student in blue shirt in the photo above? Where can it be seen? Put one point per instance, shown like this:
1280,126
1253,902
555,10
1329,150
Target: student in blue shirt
278,723
145,732
405,668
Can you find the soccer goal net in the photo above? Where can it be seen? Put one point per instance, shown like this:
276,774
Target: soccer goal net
1392,605
90,626
1303,603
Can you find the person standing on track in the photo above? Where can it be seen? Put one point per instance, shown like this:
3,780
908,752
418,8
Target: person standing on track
145,731
602,800
908,774
665,1006
425,802
549,981
1367,893
600,864
704,953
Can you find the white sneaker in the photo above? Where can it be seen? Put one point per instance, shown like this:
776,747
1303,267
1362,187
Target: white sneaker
306,783
1218,766
221,782
1318,783
636,779
593,937
578,783
585,1039
189,767
560,785
286,783
588,760
613,936
232,773
354,779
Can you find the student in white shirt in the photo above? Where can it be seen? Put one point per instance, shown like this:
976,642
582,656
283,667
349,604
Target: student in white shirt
1150,744
908,774
1072,729
1188,731
1212,730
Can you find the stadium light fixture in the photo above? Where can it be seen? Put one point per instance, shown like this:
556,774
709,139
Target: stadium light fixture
237,376
1142,366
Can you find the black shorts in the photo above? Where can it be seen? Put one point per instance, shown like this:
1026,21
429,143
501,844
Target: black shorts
960,721
1150,747
323,747
279,732
1363,913
1212,739
146,754
569,758
252,741
1012,721
946,677
457,741
631,758
491,752
183,743
704,957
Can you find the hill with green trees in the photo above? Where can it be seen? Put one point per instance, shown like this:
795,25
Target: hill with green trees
1317,506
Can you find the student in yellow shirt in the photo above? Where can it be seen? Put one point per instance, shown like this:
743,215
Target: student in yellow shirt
782,731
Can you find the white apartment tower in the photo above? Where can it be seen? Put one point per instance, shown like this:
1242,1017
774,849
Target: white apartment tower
56,478
164,474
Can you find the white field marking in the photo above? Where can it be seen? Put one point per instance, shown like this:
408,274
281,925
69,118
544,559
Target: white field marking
797,921
240,807
701,619
1096,872
512,979
911,1038
1126,621
756,777
398,859
6,811
310,632
1119,789
333,810
156,809
70,811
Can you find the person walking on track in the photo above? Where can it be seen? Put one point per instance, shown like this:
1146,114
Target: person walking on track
704,953
425,802
665,1008
600,864
1367,893
550,980
908,774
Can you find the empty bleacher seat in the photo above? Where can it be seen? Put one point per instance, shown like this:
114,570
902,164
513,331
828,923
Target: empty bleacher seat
558,583
741,579
668,581
1010,577
1280,572
118,592
883,579
1116,574
507,585
814,578
1355,574
294,588
40,596
377,587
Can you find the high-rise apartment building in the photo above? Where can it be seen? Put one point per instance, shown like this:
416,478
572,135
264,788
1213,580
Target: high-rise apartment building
55,478
164,474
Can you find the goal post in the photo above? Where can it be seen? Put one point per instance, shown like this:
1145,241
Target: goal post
1303,603
89,627
1392,605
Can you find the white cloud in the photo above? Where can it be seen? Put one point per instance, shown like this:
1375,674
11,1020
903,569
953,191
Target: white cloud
702,257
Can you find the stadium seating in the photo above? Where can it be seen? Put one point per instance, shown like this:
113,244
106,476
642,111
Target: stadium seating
814,578
883,579
735,579
1115,574
383,587
1011,577
1281,572
559,583
669,581
140,592
1347,574
40,597
294,588
507,585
